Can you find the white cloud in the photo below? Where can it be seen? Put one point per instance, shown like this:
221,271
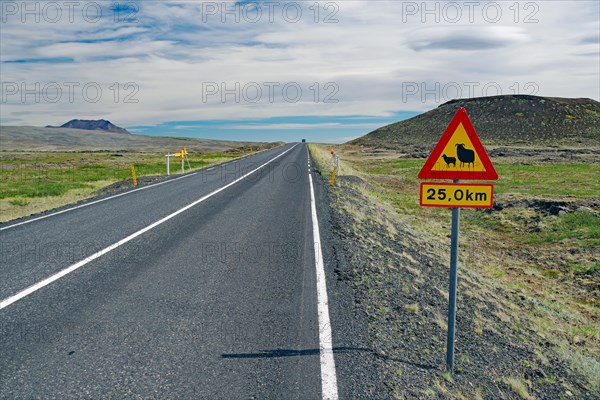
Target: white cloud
463,38
377,54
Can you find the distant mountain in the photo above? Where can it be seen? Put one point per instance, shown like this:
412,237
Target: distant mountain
92,125
35,138
501,120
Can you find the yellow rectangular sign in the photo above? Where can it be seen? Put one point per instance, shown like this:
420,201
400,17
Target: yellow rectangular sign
457,195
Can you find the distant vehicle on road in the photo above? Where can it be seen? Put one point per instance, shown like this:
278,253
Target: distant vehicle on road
303,140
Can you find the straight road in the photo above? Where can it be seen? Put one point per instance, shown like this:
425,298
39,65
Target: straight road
213,294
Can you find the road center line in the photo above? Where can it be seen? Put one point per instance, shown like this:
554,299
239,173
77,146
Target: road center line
10,300
328,375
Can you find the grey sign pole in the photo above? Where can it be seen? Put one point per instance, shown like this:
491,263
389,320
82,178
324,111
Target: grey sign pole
452,289
337,164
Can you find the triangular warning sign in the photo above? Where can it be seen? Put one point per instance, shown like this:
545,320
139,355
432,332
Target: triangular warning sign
459,154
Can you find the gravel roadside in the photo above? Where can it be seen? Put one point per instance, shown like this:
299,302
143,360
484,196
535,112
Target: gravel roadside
389,305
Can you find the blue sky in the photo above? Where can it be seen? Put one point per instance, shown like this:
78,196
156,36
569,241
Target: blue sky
325,71
289,128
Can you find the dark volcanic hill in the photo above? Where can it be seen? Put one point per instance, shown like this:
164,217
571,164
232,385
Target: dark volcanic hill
501,120
92,125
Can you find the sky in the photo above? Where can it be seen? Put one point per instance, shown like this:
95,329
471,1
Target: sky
326,71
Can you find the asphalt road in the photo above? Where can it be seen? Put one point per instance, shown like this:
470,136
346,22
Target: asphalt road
216,302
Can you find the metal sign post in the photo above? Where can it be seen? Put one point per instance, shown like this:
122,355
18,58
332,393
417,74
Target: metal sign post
182,153
452,288
337,164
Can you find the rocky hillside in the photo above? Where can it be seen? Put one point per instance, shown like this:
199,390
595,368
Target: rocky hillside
501,120
92,125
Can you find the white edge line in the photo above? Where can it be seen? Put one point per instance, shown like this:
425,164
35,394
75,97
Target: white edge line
328,375
110,197
10,300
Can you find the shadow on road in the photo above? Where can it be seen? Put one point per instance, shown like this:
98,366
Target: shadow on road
313,352
290,353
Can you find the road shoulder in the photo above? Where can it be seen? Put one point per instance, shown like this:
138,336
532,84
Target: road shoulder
357,373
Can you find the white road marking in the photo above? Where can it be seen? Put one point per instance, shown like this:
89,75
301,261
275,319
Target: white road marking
107,198
328,376
10,300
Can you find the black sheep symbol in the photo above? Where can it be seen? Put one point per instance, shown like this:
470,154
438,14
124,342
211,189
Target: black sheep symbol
449,160
465,156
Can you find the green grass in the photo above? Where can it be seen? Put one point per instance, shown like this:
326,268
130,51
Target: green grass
587,331
486,221
525,181
39,189
519,387
496,273
53,174
585,268
32,182
583,226
542,179
403,167
593,113
586,365
447,377
548,179
212,156
18,202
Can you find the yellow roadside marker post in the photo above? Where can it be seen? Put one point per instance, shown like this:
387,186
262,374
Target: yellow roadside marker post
134,178
334,171
332,180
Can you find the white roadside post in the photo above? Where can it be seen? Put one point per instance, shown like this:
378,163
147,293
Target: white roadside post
168,157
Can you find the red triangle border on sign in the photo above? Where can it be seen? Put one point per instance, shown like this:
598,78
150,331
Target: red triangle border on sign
489,174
